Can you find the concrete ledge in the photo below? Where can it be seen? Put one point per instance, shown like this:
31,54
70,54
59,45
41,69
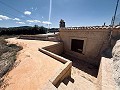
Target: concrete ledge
44,37
62,73
59,58
105,80
50,86
56,48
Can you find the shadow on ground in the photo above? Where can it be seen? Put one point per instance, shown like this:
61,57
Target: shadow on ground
82,65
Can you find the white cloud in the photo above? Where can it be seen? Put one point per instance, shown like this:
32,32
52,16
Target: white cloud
46,22
27,13
17,19
32,8
36,8
33,21
20,22
2,17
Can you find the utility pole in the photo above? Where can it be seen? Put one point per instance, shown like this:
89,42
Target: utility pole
113,22
50,10
114,17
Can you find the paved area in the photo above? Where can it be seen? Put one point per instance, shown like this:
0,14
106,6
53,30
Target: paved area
33,69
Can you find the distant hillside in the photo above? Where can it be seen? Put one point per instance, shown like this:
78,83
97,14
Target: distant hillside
24,30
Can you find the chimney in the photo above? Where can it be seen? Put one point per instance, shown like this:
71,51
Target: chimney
104,24
62,23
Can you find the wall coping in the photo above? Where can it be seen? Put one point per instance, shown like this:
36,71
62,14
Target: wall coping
90,28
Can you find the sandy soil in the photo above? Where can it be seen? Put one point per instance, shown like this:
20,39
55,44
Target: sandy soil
33,68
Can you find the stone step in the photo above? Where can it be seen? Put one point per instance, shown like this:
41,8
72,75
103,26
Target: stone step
70,86
66,81
66,85
62,86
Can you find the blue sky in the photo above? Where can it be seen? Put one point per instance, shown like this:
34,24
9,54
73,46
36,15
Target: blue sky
74,12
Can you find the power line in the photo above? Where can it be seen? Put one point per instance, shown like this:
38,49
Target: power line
112,23
15,9
12,15
114,17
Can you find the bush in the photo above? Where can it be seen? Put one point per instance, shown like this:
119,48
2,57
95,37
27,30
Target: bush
7,56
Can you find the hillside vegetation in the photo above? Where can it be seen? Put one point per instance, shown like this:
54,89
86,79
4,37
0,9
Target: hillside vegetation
24,30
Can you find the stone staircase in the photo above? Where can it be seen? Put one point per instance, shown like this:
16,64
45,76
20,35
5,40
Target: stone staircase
83,76
66,84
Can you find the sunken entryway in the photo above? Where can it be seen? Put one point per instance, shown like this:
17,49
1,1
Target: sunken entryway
77,45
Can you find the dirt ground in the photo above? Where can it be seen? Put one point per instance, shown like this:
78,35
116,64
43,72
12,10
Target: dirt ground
33,69
83,75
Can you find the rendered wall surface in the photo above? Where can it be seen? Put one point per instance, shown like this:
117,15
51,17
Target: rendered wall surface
105,79
57,48
95,40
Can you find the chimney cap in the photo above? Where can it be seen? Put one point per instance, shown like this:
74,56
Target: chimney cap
62,20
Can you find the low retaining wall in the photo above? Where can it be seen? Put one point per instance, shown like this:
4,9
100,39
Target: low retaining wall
105,80
56,48
54,37
63,72
33,37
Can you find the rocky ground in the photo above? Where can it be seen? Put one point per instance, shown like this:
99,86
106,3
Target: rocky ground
7,56
116,63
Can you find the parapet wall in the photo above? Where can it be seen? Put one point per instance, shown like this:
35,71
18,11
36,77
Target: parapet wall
105,79
52,37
